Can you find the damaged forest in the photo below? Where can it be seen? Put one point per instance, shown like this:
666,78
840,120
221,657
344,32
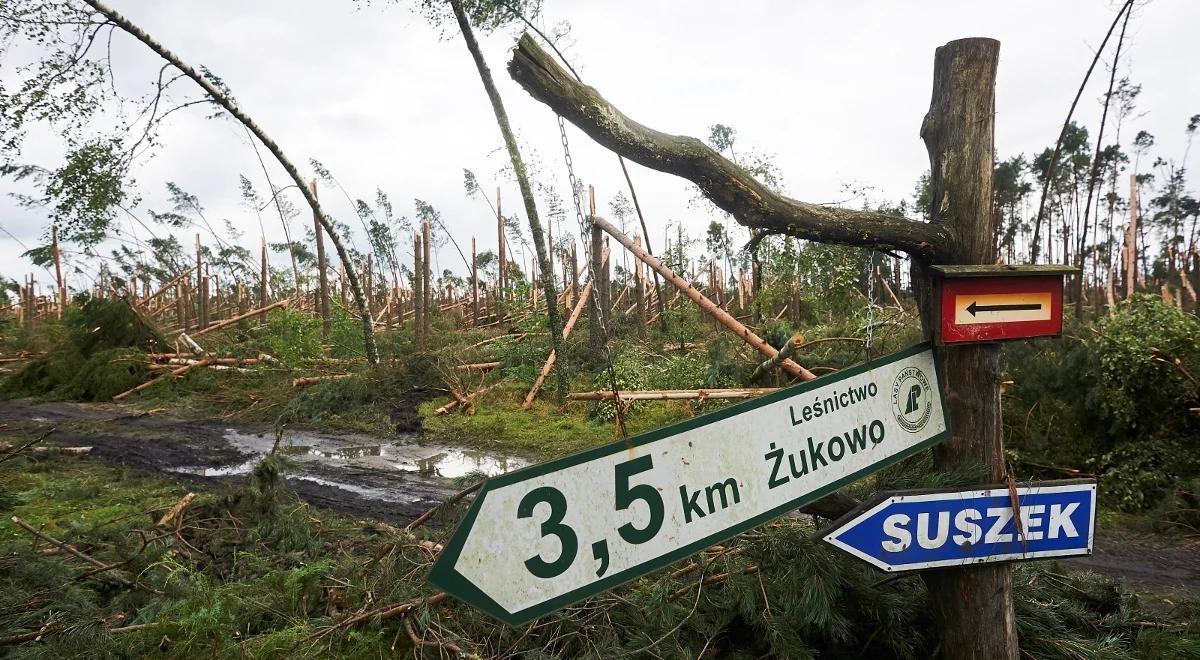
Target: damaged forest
275,429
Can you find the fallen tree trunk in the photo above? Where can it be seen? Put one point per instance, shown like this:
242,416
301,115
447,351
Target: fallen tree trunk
479,366
305,381
707,305
537,384
786,352
240,317
468,399
173,374
672,395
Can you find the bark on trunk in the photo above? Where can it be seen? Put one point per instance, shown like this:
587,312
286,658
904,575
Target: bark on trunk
322,273
227,103
720,315
553,321
728,186
972,607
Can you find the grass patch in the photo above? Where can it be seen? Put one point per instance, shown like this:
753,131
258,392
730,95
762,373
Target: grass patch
545,430
255,573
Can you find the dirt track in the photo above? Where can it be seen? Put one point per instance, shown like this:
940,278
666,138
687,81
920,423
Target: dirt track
398,479
392,480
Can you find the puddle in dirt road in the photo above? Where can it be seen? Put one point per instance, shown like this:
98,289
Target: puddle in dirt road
432,461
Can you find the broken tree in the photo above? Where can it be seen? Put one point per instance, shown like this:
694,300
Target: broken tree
973,606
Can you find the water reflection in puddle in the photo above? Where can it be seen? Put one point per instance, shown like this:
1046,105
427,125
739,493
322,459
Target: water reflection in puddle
428,460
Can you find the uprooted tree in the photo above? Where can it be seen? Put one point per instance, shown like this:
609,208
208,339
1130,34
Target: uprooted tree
972,606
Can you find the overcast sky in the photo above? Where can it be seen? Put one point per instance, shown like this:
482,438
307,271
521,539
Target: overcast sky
835,92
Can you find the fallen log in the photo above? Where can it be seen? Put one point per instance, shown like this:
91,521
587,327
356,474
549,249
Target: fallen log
786,352
468,399
173,374
305,381
566,332
176,510
478,366
722,317
241,317
672,395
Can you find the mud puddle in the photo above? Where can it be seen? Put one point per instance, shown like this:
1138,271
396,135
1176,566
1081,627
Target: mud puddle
390,479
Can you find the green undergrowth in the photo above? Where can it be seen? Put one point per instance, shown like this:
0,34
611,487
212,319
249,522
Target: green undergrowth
253,572
1112,398
96,354
545,430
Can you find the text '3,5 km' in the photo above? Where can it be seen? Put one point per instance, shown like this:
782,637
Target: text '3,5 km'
546,536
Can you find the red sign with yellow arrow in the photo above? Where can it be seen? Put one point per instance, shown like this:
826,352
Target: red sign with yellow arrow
979,307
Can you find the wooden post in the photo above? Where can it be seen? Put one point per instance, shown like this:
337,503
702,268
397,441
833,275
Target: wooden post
62,290
707,305
322,273
971,606
474,285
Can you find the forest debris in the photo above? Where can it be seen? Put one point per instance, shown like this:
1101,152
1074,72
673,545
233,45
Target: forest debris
786,352
566,332
192,343
478,366
241,317
72,551
703,302
312,380
173,514
469,399
665,395
173,374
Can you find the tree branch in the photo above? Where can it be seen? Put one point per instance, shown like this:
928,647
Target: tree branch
728,186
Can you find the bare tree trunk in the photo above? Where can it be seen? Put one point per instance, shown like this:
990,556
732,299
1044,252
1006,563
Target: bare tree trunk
418,291
1037,223
1094,173
263,277
535,226
972,607
1131,235
719,315
322,273
427,279
58,278
502,252
474,285
596,337
223,100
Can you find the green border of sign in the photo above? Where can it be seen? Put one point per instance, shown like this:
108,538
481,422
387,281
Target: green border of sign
444,575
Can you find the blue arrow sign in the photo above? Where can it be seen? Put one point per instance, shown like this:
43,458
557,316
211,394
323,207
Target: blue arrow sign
910,530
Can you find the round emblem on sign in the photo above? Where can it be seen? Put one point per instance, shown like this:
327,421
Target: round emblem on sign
912,399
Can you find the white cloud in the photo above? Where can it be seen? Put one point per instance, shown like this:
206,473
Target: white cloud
835,91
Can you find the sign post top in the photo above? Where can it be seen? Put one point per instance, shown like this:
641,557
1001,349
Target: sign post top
1001,270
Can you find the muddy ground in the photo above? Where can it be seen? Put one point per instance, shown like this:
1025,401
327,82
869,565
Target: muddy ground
396,479
393,479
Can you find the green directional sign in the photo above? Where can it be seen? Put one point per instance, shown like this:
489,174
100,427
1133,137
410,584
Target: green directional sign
547,536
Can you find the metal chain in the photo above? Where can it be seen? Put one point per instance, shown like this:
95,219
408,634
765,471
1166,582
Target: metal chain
585,231
870,303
